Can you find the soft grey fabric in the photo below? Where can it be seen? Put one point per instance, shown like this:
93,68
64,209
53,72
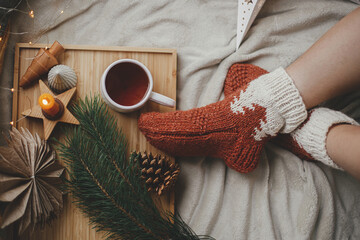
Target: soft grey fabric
285,197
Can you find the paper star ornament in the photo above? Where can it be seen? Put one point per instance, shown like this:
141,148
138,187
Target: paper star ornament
49,125
247,12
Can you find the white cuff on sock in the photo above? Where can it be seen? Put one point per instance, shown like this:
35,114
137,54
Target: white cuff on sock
286,99
276,92
312,136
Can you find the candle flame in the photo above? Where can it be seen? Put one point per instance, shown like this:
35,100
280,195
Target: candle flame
45,101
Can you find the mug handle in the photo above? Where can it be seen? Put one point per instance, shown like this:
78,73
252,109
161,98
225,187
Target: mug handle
161,99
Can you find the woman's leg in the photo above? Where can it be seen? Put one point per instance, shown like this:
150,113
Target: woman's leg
343,148
331,67
268,105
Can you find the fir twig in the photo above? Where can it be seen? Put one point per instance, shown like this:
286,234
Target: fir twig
112,200
101,127
83,111
106,186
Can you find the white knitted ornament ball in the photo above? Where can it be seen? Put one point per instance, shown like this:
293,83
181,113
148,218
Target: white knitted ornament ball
61,78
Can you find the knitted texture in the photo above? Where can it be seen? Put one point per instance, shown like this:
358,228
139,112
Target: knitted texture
240,75
234,129
312,136
308,141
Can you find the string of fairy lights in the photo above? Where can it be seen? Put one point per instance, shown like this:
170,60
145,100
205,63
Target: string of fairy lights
12,90
31,14
29,102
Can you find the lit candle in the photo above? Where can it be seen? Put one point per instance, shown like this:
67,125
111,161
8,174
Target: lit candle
49,105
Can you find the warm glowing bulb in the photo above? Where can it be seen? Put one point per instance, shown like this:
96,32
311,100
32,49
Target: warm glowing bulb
30,43
12,90
31,14
11,123
0,39
61,12
45,102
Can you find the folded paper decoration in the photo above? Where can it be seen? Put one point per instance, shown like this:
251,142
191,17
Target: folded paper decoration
30,177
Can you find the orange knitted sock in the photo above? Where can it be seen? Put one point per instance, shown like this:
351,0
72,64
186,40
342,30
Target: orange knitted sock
239,75
308,140
235,128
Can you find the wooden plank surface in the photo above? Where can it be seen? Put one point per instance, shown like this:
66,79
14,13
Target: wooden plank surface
89,62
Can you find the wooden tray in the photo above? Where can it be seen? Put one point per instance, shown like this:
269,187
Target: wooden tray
89,62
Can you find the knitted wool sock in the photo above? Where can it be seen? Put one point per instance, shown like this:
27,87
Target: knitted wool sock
240,75
236,128
308,141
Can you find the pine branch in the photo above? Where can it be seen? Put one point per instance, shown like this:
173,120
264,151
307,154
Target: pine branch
106,186
89,122
98,124
103,190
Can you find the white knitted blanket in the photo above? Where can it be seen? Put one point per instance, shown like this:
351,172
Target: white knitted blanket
285,197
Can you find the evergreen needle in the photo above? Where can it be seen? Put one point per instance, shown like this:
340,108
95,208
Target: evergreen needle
106,186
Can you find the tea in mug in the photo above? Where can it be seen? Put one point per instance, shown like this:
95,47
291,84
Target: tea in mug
126,83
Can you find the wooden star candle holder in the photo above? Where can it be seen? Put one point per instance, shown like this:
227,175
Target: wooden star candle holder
50,120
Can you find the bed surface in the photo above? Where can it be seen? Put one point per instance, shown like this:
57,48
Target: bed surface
285,197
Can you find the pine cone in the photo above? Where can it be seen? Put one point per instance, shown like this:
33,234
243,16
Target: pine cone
158,172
